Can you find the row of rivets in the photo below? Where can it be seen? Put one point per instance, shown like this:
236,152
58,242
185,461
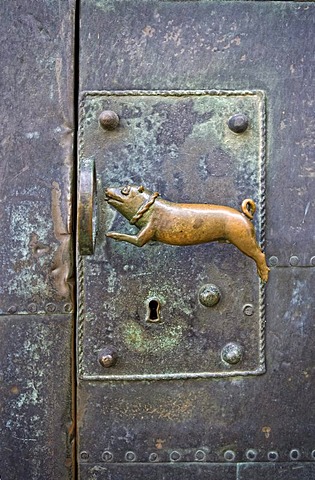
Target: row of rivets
199,456
33,307
238,123
293,261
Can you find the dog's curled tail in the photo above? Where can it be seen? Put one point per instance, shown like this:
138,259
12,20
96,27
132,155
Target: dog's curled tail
249,208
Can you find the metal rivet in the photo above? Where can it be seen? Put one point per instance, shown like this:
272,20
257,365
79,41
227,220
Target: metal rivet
294,260
12,309
313,454
273,261
107,456
130,456
200,456
109,120
84,456
67,307
248,309
209,295
175,456
251,454
229,455
232,353
153,457
295,454
273,456
108,357
238,123
32,307
50,307
312,261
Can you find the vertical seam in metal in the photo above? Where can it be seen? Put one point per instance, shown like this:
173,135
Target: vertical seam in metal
76,59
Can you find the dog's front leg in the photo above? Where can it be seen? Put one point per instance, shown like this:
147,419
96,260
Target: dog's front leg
143,237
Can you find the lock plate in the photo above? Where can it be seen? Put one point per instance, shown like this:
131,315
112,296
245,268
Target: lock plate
148,303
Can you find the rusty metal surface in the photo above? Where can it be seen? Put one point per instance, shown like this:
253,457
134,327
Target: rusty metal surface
36,424
279,471
36,158
36,129
263,414
172,139
223,45
172,45
171,472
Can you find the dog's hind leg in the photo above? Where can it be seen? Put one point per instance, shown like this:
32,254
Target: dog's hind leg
250,247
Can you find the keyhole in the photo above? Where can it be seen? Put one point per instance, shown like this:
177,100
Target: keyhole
153,311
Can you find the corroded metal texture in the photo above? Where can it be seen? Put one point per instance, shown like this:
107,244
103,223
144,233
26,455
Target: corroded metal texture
36,164
36,128
150,429
171,139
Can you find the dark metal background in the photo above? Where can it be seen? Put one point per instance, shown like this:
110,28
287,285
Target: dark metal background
36,258
166,45
188,424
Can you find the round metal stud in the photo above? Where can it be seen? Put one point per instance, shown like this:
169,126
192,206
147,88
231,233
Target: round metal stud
12,309
175,456
108,356
229,455
209,295
200,456
273,456
273,261
109,120
84,456
251,454
67,307
130,456
232,353
248,309
312,261
313,454
295,454
238,123
32,307
107,456
153,457
50,307
294,261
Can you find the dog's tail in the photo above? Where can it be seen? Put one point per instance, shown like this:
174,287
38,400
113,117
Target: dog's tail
249,208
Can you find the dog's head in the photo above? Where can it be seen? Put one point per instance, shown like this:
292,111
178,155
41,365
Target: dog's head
128,199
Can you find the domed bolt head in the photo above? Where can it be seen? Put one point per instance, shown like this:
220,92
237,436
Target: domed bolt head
232,353
108,357
209,295
109,120
238,123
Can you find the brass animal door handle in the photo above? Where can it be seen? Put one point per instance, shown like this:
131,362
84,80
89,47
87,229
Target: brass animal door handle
186,223
87,208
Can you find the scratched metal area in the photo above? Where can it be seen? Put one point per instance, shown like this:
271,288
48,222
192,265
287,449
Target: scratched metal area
180,145
239,427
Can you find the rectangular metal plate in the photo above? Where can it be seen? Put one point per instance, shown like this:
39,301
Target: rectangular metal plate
178,143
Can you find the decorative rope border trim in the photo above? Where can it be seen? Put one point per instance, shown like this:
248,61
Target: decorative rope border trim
262,204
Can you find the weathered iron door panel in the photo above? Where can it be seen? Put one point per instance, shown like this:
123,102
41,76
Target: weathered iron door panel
221,391
36,254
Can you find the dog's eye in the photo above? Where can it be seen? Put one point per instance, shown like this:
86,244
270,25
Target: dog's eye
125,190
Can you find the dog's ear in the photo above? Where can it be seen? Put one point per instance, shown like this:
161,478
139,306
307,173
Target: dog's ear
141,189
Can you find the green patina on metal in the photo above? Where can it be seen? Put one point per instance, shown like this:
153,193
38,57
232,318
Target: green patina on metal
179,144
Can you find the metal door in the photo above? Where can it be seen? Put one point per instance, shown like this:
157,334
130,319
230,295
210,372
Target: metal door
202,102
181,361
